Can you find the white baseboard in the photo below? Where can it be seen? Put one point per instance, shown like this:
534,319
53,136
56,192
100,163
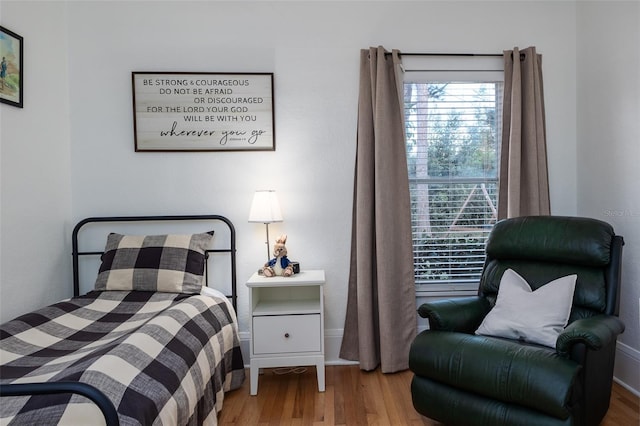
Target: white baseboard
627,367
332,343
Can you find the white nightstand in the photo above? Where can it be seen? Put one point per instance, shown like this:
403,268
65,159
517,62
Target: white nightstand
287,323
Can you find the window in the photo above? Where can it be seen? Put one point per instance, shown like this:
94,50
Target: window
452,112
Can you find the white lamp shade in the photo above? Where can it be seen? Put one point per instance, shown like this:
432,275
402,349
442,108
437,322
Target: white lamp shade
265,207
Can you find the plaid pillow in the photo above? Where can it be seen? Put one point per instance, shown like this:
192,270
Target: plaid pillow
166,263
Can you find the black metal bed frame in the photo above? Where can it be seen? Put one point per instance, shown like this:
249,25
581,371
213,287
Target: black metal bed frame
231,249
104,404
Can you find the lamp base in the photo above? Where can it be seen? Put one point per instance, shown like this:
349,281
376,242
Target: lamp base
267,242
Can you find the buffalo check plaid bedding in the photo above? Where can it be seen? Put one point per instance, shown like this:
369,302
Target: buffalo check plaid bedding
167,263
161,358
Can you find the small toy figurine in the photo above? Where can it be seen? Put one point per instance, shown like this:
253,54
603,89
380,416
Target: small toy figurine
280,264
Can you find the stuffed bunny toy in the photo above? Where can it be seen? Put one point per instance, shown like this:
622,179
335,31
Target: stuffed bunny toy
280,264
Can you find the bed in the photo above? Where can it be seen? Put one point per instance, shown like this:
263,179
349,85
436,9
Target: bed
151,344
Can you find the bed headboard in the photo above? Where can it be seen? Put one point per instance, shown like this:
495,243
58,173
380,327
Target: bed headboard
229,248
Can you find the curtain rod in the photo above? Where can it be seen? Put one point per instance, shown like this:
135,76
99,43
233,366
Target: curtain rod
522,55
447,54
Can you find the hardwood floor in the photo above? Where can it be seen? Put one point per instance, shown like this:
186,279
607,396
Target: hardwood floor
354,397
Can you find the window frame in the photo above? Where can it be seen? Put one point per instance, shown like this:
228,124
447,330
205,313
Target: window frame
447,68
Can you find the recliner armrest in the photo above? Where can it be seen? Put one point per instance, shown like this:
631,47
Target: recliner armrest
595,332
462,314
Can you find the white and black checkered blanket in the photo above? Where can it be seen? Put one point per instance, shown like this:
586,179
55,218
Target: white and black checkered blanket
161,358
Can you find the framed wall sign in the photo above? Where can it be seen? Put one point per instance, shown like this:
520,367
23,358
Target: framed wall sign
203,111
11,52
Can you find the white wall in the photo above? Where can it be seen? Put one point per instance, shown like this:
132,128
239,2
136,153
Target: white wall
35,167
608,106
313,50
89,50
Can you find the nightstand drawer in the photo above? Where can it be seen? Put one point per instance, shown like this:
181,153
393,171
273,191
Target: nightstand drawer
286,333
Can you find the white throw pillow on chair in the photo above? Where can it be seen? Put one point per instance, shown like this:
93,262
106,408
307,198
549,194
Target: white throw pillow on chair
533,316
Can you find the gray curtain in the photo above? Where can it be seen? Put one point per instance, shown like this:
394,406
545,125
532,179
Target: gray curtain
380,321
524,181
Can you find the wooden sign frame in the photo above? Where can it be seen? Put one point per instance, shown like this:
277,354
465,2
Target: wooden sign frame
188,111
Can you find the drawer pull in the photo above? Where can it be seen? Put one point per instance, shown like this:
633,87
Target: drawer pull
286,335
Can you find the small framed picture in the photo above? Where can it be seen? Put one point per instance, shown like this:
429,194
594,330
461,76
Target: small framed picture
11,52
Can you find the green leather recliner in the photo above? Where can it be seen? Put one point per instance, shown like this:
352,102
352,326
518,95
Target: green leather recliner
461,378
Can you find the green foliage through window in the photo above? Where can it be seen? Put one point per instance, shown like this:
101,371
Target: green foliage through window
452,155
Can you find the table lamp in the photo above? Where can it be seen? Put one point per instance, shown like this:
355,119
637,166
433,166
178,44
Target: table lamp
265,208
